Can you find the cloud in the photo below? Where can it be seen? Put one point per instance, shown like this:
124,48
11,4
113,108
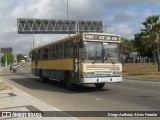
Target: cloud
128,3
31,9
124,16
86,9
123,30
1,19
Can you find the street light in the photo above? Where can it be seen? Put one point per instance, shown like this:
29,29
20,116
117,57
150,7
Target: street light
67,14
67,11
33,41
105,27
6,62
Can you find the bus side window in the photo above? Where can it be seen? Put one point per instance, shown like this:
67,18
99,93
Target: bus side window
70,46
68,49
45,53
59,51
40,54
65,49
51,52
76,50
33,56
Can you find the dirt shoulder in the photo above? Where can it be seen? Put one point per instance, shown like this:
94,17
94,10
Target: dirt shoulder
141,71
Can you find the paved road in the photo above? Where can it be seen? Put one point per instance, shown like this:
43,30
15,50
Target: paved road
129,95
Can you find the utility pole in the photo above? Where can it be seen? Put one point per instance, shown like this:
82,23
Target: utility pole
67,14
6,63
33,41
67,11
30,46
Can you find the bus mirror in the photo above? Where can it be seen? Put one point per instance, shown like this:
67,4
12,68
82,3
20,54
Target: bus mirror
81,44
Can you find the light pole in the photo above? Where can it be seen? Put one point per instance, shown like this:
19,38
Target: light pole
30,46
67,11
6,63
33,41
68,15
106,27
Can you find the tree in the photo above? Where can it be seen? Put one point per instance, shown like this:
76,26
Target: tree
152,30
141,44
9,57
20,57
128,45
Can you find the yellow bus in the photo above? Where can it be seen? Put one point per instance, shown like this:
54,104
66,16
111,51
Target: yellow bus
86,58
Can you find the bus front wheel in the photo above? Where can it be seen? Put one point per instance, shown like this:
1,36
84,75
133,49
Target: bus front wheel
99,85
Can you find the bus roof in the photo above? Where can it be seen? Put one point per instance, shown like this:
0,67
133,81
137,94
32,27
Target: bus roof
71,38
58,41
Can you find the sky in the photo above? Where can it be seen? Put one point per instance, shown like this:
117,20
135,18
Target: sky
122,17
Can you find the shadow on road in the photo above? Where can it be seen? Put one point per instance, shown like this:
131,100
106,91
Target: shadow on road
27,80
14,74
55,86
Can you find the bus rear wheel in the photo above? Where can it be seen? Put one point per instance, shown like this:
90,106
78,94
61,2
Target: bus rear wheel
99,85
68,81
43,79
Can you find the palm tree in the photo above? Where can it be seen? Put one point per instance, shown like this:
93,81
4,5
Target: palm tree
127,46
156,37
140,42
152,29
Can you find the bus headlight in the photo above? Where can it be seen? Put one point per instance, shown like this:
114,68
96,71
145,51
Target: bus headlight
83,73
87,74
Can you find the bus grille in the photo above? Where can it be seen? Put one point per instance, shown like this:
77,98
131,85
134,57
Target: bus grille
103,68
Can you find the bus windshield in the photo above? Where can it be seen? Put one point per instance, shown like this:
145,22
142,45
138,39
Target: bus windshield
96,52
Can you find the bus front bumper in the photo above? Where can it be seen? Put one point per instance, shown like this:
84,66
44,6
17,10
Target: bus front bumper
101,80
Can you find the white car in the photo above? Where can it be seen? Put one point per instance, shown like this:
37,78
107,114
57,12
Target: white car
18,65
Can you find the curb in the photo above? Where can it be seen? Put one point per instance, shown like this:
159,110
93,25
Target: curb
15,99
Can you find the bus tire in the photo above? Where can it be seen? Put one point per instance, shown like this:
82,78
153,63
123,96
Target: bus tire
68,81
43,79
99,85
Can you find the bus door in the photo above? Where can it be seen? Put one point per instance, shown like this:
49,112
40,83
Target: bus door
77,62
